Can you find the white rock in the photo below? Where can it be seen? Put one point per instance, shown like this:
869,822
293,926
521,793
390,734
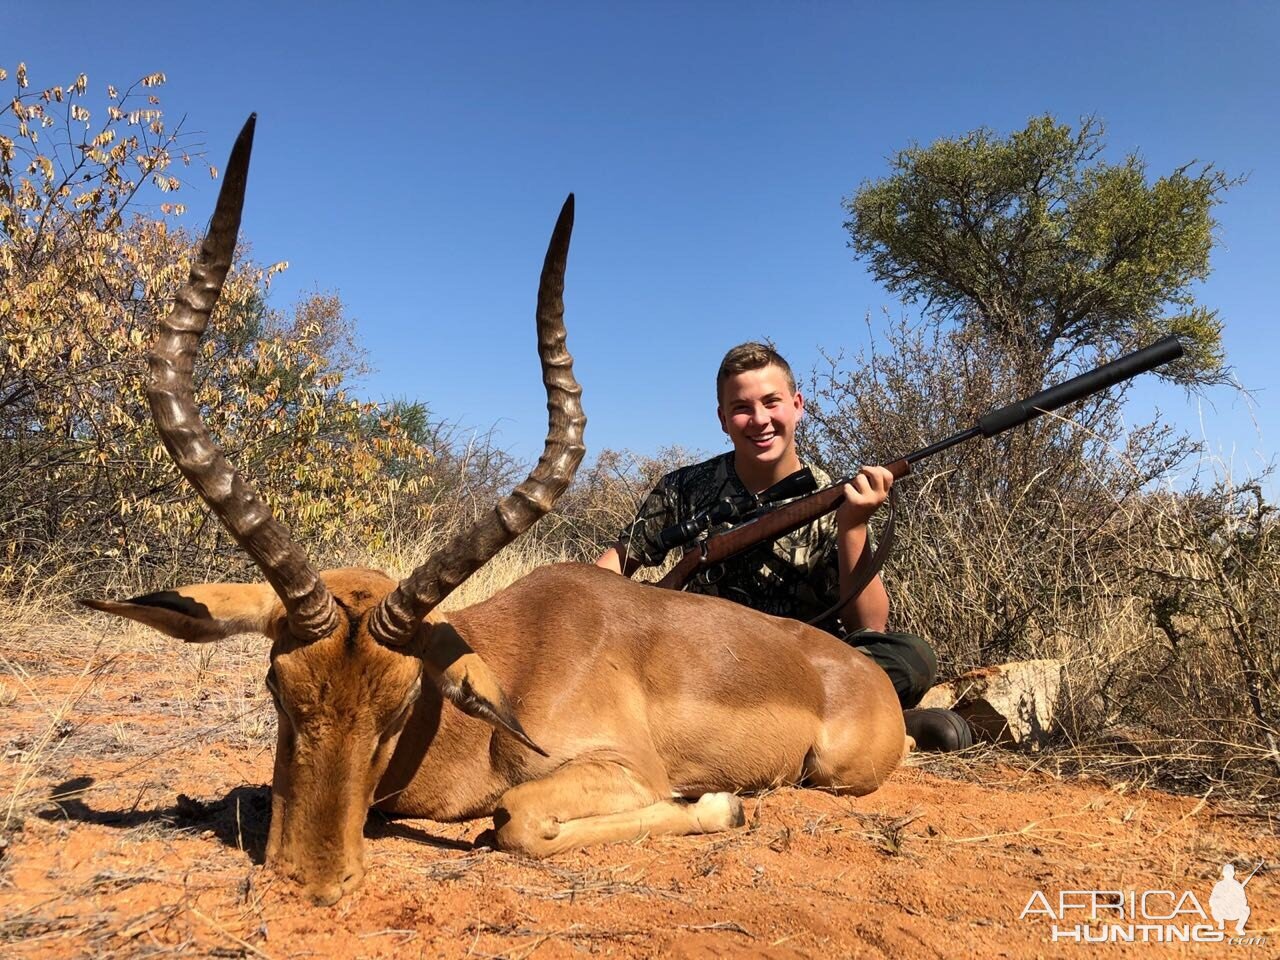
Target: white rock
1011,703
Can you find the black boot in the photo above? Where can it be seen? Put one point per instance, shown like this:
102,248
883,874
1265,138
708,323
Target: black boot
938,730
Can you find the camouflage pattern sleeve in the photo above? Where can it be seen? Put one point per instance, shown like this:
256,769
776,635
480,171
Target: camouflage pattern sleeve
639,539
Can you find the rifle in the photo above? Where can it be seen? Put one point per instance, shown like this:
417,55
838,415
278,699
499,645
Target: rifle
769,524
1252,872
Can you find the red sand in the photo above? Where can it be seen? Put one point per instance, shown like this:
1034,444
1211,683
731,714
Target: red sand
929,866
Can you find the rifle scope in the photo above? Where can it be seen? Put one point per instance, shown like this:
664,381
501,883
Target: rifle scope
737,508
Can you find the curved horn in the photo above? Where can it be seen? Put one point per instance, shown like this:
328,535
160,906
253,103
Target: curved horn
397,617
173,407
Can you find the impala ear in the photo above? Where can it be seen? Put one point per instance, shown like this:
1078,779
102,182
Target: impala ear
466,680
202,612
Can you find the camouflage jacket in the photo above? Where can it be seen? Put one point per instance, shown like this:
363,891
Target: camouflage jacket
795,576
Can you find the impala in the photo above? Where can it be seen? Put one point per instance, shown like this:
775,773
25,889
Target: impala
591,708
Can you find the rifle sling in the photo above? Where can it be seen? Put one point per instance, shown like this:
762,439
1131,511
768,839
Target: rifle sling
872,567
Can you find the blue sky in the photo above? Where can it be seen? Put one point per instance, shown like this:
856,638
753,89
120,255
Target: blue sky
413,157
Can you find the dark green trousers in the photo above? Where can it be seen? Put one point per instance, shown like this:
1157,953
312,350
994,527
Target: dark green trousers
908,660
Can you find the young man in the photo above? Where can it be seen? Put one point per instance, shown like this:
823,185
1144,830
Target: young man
806,572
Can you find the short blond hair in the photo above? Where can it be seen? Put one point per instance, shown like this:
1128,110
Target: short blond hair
751,356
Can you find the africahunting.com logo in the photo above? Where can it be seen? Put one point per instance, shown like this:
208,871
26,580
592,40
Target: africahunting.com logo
1148,916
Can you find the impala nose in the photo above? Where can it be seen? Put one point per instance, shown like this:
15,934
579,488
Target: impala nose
327,894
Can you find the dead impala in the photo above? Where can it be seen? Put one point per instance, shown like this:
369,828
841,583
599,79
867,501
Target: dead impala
636,701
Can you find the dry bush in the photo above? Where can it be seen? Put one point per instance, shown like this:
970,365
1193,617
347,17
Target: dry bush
1206,566
83,279
1063,539
985,522
604,498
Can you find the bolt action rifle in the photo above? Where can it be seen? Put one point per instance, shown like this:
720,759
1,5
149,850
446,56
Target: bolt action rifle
763,523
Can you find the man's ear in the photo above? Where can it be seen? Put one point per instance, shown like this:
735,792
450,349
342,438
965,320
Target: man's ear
202,612
720,415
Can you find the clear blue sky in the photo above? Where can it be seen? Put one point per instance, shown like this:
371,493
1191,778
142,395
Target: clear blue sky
413,157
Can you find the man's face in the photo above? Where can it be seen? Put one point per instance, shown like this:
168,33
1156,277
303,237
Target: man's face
759,413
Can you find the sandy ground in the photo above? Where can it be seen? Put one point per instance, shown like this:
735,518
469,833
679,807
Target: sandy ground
161,755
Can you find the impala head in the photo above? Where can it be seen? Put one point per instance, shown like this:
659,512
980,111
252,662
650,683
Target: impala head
351,650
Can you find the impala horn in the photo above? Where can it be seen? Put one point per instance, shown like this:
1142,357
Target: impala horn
397,617
306,599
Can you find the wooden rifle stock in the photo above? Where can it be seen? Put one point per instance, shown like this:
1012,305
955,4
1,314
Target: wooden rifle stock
778,522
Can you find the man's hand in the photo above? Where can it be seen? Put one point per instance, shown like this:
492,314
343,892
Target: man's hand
863,496
611,559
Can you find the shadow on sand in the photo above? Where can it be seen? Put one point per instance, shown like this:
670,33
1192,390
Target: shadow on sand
239,820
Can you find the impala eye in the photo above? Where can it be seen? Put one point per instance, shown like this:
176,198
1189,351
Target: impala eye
409,701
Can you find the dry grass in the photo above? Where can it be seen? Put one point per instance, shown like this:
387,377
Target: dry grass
1161,611
65,708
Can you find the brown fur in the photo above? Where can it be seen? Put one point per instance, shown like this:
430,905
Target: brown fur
639,696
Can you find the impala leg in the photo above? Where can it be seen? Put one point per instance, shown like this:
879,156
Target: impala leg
712,813
590,802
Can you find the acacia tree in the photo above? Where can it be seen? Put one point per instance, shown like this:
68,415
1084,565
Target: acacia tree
82,281
1048,250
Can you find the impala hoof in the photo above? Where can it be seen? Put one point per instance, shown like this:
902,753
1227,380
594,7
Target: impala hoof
719,811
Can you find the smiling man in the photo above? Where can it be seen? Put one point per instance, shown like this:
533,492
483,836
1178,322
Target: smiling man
806,572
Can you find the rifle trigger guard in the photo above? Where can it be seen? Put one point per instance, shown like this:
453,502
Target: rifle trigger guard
713,574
